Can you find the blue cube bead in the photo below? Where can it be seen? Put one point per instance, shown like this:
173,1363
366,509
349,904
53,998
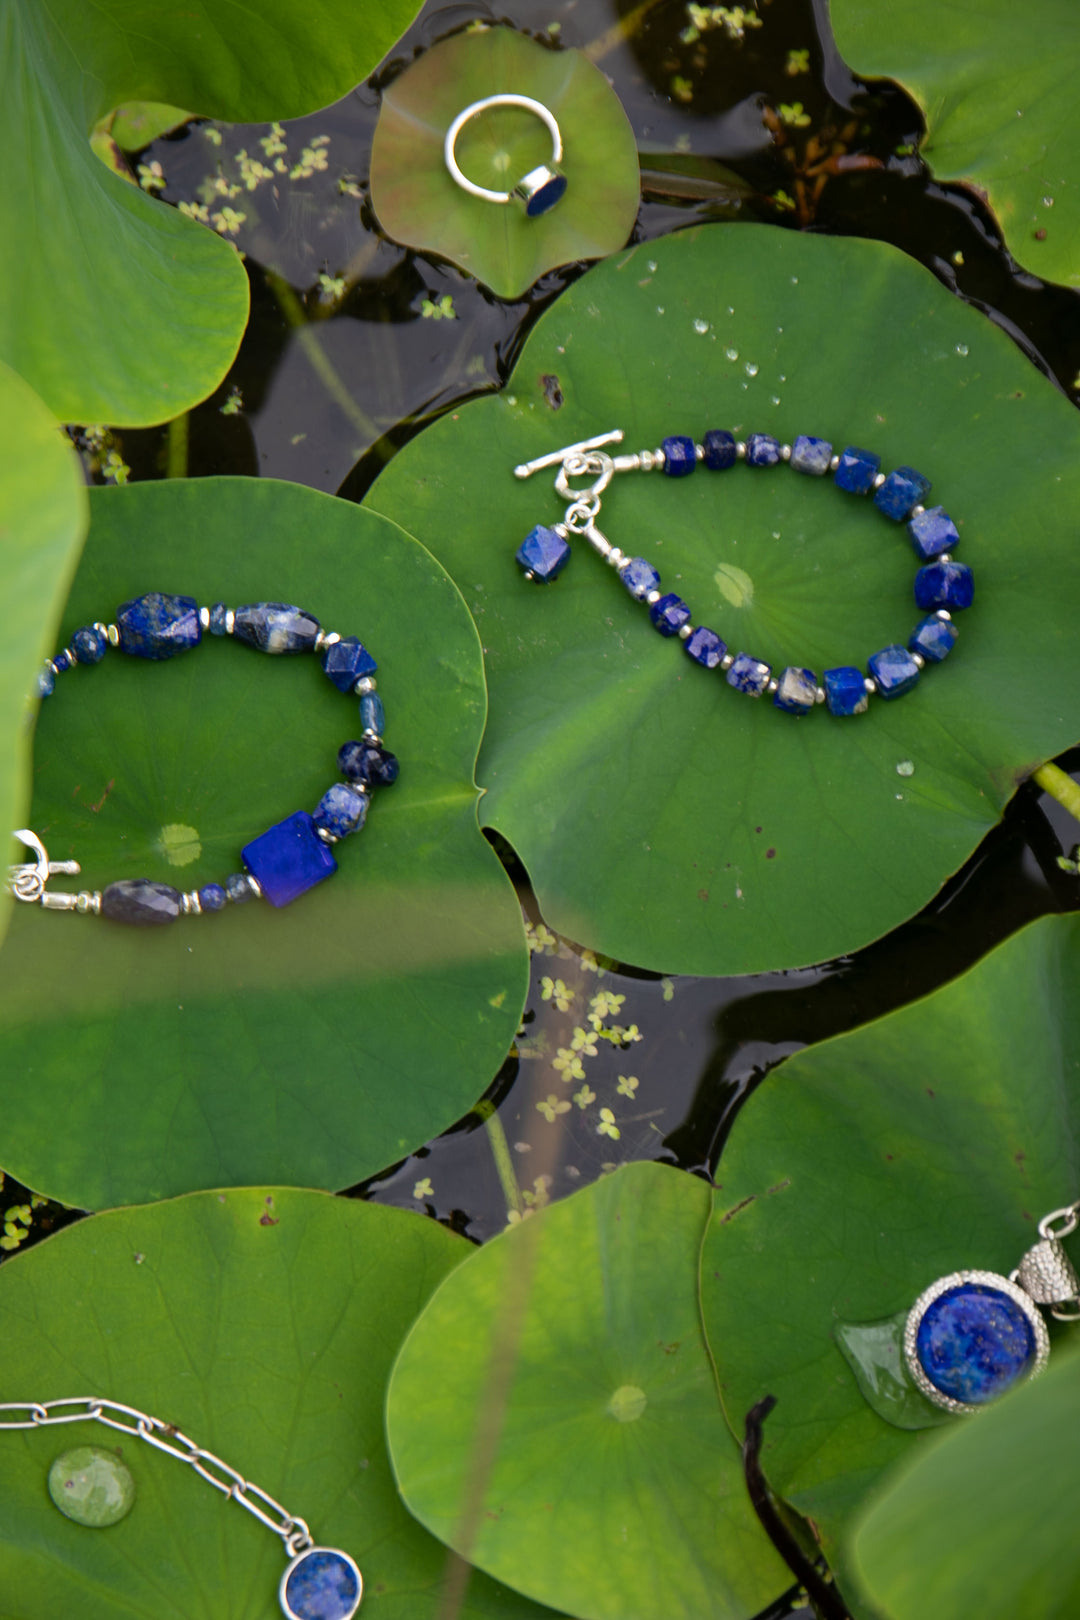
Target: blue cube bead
748,675
237,888
944,585
288,859
46,681
639,577
845,690
543,554
157,626
322,1585
857,470
933,532
762,450
811,456
901,490
796,691
894,670
705,647
372,713
933,637
219,619
679,457
347,662
212,897
88,645
368,762
275,627
669,614
719,448
341,810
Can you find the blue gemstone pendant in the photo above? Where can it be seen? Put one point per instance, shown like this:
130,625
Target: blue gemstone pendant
971,1336
321,1583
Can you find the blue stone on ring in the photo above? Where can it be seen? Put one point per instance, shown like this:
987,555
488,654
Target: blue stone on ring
321,1584
540,190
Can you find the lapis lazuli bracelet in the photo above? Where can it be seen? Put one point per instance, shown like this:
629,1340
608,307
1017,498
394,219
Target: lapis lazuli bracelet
942,586
289,858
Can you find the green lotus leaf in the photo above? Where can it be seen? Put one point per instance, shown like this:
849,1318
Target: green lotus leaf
262,1323
419,204
929,1142
995,86
115,308
665,819
553,1414
319,1042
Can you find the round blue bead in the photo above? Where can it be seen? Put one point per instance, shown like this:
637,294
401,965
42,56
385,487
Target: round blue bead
237,888
212,897
974,1343
88,645
61,662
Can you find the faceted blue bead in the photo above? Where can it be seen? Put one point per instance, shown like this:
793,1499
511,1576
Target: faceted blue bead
141,901
933,532
719,447
237,888
748,675
894,670
372,713
901,490
974,1343
544,200
157,626
543,554
46,681
89,645
669,614
212,897
275,627
323,1585
341,810
796,691
705,647
288,859
368,762
933,637
61,662
845,690
219,619
944,585
347,662
762,450
811,456
679,457
857,470
639,577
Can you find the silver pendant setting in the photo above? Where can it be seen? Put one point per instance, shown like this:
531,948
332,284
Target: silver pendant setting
974,1334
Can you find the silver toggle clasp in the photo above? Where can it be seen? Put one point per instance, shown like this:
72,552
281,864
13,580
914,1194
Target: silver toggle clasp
1048,1275
567,453
27,881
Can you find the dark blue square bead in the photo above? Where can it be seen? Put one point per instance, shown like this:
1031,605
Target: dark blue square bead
845,690
141,901
347,662
88,645
974,1342
322,1585
719,448
639,577
288,859
894,670
944,585
748,675
705,647
212,897
796,691
669,614
857,470
679,457
901,490
933,532
543,554
157,626
341,810
762,450
811,456
275,627
933,637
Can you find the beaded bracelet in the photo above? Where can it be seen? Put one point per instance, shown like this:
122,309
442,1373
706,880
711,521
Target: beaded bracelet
290,857
941,584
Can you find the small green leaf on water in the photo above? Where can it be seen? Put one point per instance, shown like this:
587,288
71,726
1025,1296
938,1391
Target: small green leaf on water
179,844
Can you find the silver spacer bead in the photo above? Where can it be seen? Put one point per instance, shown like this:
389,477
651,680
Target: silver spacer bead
367,735
529,574
366,683
819,694
685,632
255,886
699,452
647,460
917,658
946,556
917,511
102,629
944,615
651,597
325,639
785,452
190,904
773,685
204,618
879,479
871,685
615,558
326,836
727,660
834,463
112,635
230,621
562,531
740,450
89,900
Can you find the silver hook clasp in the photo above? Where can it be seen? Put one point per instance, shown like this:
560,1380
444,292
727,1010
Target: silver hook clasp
27,881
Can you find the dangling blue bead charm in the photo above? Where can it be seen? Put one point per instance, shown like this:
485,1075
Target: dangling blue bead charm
543,554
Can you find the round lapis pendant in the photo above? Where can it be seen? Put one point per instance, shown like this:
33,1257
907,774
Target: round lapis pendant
321,1583
970,1337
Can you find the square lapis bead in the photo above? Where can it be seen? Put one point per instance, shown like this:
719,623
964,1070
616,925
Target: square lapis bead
845,690
857,470
720,450
341,810
705,647
288,859
894,671
679,456
933,637
933,532
762,450
944,585
543,554
639,577
796,691
669,614
812,456
748,675
158,626
901,490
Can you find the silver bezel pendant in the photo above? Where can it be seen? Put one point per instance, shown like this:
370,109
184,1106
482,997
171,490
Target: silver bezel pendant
308,1552
988,1279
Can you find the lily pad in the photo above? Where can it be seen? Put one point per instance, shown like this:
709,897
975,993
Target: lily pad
929,1142
262,1323
314,1044
115,308
419,204
665,819
553,1414
995,85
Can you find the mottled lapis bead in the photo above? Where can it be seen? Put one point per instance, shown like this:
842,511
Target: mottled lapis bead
89,644
275,627
212,897
809,455
679,456
934,638
46,681
237,888
323,1585
933,532
796,691
720,450
669,614
372,713
639,577
138,900
157,626
762,450
845,690
705,647
944,585
857,470
368,762
894,670
748,675
341,810
974,1342
219,619
288,859
347,662
543,554
901,490
61,662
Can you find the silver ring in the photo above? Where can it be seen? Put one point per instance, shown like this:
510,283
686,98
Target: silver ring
540,189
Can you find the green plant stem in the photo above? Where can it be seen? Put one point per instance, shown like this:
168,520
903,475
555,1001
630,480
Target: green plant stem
620,32
176,455
1053,780
319,360
500,1152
